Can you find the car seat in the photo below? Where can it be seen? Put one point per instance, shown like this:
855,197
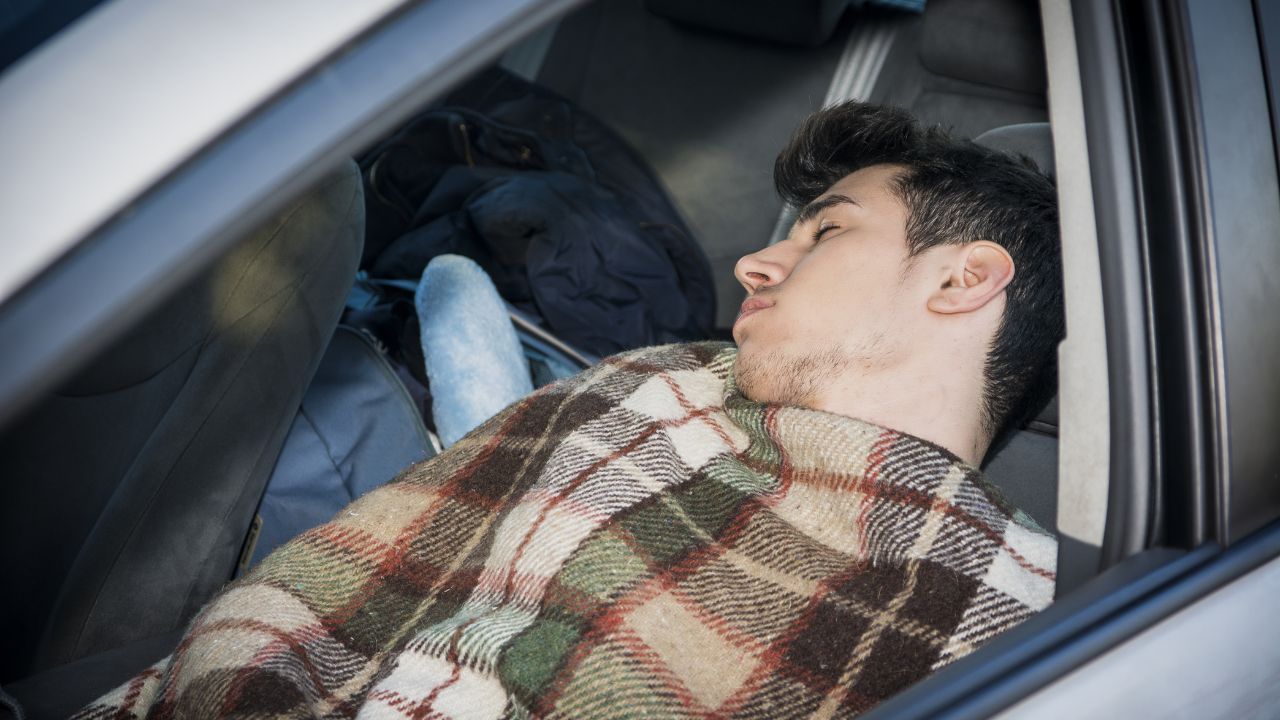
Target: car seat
129,491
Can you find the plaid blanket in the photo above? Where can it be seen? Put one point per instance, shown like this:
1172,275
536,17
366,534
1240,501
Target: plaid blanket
638,541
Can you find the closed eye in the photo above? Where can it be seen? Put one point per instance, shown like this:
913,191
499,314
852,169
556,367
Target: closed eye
823,230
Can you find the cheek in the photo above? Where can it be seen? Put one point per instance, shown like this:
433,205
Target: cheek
836,294
860,304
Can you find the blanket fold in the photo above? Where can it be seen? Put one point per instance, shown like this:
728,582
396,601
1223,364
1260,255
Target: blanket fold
640,540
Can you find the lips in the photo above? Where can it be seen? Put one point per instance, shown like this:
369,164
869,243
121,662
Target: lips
751,305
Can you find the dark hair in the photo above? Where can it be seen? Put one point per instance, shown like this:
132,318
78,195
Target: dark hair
955,191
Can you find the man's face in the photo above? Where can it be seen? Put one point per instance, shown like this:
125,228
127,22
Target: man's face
837,297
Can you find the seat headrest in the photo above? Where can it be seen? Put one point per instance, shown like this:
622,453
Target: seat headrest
992,42
1031,139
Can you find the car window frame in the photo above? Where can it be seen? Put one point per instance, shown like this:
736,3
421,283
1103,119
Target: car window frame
1240,189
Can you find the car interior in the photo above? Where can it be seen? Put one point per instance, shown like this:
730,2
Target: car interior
285,380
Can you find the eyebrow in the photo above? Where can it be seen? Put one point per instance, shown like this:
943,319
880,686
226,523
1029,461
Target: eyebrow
811,210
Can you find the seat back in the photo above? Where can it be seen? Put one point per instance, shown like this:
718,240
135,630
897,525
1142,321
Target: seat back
128,492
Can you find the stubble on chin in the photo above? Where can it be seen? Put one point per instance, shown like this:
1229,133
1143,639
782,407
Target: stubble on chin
785,379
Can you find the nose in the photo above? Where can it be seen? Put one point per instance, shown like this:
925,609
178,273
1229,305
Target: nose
763,268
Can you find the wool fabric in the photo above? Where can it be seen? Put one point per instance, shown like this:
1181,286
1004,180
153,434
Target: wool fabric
640,540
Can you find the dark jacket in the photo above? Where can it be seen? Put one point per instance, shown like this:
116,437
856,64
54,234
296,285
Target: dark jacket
568,221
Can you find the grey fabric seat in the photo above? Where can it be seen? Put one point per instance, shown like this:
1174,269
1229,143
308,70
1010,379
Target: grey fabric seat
1034,140
969,65
1026,468
129,491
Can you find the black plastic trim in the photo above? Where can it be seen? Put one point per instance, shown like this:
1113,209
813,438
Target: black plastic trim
1267,17
1163,109
1241,253
72,310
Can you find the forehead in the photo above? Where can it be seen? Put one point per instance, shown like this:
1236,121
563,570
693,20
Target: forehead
869,198
870,185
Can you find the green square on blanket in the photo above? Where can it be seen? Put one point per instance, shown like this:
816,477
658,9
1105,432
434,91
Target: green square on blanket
534,656
603,566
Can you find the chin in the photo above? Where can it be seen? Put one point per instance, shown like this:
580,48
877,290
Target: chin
747,375
776,377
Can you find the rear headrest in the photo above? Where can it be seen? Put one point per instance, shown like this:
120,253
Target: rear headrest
798,22
993,42
1031,139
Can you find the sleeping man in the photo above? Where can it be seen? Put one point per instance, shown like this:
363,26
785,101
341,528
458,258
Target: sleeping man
792,526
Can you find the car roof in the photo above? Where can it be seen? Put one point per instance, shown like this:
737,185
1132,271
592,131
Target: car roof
125,95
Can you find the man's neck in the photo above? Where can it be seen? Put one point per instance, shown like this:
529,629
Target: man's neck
916,399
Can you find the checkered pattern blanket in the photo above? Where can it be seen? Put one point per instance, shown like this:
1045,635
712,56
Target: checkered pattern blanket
638,541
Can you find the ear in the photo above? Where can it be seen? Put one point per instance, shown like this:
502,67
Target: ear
981,272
